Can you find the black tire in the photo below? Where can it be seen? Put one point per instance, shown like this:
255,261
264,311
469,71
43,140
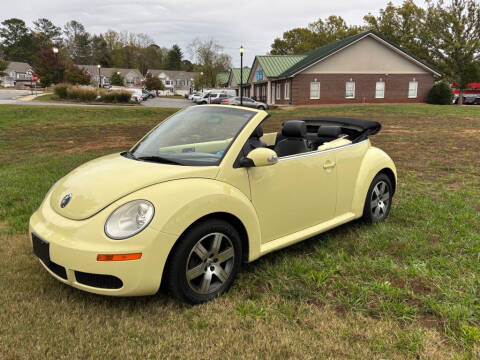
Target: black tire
185,261
261,107
380,193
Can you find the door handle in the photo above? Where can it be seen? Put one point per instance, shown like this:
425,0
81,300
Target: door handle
329,164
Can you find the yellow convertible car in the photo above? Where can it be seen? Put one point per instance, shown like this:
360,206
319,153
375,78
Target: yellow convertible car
203,192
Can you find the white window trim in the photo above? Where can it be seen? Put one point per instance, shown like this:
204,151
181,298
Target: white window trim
319,87
377,90
278,91
416,89
286,90
346,90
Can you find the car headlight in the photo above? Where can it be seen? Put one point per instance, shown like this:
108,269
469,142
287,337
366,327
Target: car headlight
129,219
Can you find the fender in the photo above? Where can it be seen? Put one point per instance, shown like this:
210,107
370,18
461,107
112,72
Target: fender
179,203
373,162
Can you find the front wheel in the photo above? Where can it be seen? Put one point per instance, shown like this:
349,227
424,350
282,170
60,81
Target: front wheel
379,199
205,262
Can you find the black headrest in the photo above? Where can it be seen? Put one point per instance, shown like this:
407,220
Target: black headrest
294,128
258,132
329,131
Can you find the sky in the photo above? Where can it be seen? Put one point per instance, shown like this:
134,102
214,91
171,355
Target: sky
253,24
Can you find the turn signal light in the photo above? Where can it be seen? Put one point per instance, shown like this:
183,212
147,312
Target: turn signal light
118,257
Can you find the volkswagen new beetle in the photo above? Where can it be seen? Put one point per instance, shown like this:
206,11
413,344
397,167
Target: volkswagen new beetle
203,192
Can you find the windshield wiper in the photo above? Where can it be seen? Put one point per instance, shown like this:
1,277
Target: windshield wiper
158,159
129,155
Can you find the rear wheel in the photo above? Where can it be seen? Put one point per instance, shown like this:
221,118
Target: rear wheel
379,199
205,262
261,107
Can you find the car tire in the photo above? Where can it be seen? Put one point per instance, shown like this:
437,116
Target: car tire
261,107
379,199
204,262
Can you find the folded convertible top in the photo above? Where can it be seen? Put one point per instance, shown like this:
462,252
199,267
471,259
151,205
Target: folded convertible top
365,127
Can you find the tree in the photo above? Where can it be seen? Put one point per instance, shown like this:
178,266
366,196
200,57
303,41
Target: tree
187,65
404,25
319,33
3,67
174,58
210,59
153,83
74,75
452,34
45,66
78,42
45,32
17,41
117,79
100,52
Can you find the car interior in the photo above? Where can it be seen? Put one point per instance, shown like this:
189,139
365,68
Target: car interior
297,136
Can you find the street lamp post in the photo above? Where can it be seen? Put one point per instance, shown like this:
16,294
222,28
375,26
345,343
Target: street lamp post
241,75
191,85
55,51
201,75
99,76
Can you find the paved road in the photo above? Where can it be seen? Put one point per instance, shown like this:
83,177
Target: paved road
10,97
167,102
12,94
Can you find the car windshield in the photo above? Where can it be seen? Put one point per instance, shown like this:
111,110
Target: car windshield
196,136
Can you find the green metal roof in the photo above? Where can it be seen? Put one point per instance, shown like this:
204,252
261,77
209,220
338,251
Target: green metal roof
313,56
274,65
236,74
222,78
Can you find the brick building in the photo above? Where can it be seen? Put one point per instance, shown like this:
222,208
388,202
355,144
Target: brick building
365,68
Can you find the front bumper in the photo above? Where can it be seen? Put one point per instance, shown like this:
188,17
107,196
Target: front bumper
74,245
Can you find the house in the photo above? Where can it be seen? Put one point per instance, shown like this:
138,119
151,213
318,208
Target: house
234,80
222,79
17,74
176,82
364,68
133,77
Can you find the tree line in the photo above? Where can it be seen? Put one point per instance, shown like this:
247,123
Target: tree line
446,35
76,46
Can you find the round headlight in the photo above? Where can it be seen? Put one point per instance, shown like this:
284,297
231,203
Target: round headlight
129,219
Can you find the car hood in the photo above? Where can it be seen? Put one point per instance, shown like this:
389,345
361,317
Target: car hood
98,183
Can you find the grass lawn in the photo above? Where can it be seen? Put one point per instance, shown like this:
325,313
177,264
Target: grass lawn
405,288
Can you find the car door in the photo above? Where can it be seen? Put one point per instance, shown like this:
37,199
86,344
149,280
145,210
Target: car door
294,194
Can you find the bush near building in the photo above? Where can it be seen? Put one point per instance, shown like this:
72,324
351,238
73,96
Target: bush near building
440,94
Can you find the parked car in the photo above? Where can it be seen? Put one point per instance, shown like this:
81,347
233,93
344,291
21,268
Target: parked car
137,95
205,99
149,94
189,207
248,102
217,99
197,96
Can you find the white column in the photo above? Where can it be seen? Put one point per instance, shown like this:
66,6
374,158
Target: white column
269,93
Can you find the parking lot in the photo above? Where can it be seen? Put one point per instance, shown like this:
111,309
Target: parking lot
167,102
8,94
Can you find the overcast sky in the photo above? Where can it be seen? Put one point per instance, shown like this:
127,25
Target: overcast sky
253,24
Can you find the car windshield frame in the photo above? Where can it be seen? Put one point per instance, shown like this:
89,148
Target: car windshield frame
134,154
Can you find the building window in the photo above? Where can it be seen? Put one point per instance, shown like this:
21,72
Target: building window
259,75
380,90
286,94
278,91
412,89
315,90
350,90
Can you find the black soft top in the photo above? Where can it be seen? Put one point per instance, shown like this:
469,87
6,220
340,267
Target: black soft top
366,127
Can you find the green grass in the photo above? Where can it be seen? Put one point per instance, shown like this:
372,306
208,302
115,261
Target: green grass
405,288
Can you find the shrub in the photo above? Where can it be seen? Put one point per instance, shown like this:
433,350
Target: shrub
117,96
440,94
60,90
81,93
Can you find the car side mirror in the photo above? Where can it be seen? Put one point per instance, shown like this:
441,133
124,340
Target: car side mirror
260,157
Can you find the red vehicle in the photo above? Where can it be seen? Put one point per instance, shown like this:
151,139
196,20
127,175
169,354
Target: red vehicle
471,95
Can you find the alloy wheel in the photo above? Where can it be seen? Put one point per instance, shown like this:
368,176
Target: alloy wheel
210,263
380,199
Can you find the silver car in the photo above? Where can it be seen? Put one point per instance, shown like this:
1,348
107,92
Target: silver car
246,102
